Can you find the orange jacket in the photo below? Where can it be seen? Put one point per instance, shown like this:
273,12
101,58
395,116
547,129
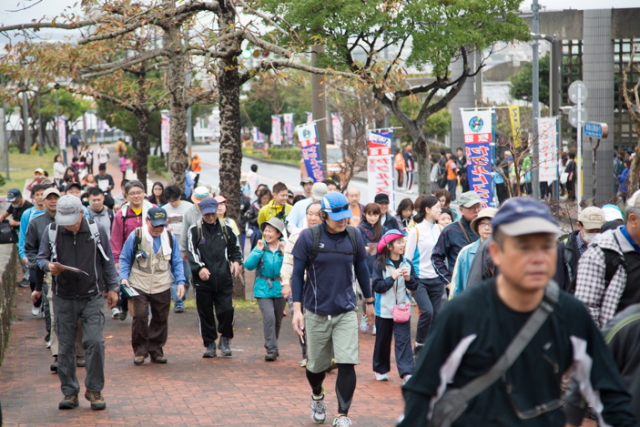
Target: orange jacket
399,162
195,164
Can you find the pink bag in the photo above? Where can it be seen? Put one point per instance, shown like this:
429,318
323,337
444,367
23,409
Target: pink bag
401,312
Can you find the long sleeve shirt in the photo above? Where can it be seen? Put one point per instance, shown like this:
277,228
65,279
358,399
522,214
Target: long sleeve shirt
26,217
127,256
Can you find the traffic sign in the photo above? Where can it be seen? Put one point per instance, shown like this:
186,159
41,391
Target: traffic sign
578,92
596,130
573,116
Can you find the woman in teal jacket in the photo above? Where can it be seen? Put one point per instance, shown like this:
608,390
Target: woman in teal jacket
266,258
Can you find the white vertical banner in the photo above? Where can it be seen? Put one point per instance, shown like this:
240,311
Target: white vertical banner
309,117
62,132
380,164
547,148
276,130
165,130
288,128
336,125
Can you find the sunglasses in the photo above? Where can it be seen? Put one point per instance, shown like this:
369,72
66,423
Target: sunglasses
336,209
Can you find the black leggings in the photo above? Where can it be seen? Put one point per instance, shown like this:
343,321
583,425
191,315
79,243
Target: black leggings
345,385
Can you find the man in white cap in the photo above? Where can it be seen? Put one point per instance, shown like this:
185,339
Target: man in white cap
570,249
608,279
74,241
296,220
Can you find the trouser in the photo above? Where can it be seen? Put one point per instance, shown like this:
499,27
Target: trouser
124,175
544,189
434,187
400,177
174,285
272,312
302,340
386,329
571,189
243,239
503,194
35,275
149,337
89,312
206,300
53,336
46,308
451,186
25,271
74,150
409,180
428,296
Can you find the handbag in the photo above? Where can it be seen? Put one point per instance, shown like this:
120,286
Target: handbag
7,235
454,402
564,177
401,312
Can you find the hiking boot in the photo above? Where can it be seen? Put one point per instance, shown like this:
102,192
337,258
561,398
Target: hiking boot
318,408
178,309
96,399
225,348
123,315
211,351
139,360
81,362
69,402
161,360
342,421
271,357
54,365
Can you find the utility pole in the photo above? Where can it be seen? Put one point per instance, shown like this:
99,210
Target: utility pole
318,104
535,29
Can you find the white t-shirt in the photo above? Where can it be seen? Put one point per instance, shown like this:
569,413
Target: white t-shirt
175,217
103,155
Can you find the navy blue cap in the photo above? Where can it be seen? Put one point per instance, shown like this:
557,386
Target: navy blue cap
522,215
13,194
157,216
208,205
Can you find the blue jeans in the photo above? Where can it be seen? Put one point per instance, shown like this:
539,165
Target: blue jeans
174,286
451,186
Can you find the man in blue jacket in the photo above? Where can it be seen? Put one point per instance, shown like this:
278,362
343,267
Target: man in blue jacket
456,236
330,318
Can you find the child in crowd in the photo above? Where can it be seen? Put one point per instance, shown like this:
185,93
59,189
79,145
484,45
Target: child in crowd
393,274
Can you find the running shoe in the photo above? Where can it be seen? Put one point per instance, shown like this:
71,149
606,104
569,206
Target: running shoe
381,377
35,311
115,313
342,422
406,379
318,408
303,363
373,330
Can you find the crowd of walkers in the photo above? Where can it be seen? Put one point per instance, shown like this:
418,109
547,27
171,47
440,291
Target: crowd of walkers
507,313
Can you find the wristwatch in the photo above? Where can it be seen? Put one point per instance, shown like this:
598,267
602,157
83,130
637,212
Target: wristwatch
369,302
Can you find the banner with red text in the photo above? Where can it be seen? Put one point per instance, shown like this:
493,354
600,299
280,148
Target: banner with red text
165,130
61,123
380,163
547,148
479,143
336,125
288,128
276,130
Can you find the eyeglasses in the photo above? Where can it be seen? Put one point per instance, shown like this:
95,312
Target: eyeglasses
336,209
136,193
313,214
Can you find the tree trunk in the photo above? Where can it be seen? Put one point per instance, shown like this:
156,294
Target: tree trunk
178,109
635,166
421,150
230,136
142,153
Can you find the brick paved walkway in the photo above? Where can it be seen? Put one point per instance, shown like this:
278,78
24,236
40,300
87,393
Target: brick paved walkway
189,391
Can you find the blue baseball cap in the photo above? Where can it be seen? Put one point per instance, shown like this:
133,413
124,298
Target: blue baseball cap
208,205
336,205
157,216
13,194
522,215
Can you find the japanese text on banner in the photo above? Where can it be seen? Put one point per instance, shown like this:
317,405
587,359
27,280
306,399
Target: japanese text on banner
547,148
380,163
310,146
478,139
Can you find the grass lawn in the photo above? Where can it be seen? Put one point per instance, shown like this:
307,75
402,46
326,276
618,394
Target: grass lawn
259,155
22,167
190,304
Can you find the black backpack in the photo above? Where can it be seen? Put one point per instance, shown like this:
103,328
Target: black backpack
315,248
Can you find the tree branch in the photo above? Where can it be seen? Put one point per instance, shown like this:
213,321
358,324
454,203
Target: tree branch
119,65
53,24
290,63
263,16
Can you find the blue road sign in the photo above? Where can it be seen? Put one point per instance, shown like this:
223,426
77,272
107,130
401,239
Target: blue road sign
596,130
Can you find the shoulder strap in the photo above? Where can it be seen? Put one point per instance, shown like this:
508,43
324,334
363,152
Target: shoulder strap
315,233
199,229
517,345
137,243
95,234
354,243
464,231
170,235
612,261
53,235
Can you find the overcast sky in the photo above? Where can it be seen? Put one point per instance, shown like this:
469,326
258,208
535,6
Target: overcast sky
51,8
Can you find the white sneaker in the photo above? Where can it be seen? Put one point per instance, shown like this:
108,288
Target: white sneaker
406,379
373,330
35,311
48,344
364,327
342,422
303,364
318,408
381,377
115,313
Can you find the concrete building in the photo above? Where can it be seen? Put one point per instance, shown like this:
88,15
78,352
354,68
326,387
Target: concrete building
596,46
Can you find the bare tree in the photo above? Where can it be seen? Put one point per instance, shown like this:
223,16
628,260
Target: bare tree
630,92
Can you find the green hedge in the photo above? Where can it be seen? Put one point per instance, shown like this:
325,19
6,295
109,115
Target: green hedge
157,164
285,153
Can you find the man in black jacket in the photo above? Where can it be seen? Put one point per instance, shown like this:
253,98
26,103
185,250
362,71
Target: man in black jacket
590,221
212,247
83,244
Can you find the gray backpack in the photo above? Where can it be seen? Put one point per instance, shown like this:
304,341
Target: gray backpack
95,236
